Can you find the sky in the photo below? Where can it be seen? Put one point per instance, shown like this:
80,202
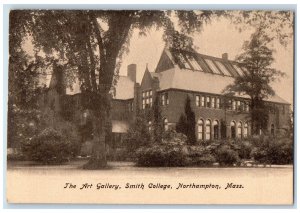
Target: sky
215,39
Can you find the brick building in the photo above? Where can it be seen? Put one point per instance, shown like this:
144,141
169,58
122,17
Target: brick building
179,74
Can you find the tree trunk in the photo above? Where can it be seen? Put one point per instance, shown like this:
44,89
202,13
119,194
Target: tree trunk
98,159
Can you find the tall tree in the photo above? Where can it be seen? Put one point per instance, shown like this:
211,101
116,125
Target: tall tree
158,127
256,60
187,122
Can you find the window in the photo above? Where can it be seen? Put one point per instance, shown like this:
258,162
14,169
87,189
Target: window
166,126
164,99
212,66
272,129
147,99
247,106
245,130
223,68
207,101
238,105
197,100
232,128
239,130
229,104
200,129
216,129
194,63
202,101
218,103
184,61
213,102
283,109
208,130
233,105
150,126
242,107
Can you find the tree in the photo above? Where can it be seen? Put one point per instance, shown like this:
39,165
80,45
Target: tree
256,61
158,127
93,43
187,122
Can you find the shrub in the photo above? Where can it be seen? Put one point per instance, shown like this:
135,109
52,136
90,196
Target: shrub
272,150
245,149
226,156
162,155
49,147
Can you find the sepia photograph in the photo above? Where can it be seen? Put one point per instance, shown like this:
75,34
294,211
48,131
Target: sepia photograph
150,107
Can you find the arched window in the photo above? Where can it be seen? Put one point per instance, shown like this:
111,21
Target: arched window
166,126
200,130
239,130
149,126
208,130
232,129
216,129
245,130
272,129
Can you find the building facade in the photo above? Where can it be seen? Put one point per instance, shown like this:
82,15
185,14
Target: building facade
180,74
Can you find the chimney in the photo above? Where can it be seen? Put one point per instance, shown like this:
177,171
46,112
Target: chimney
131,72
225,56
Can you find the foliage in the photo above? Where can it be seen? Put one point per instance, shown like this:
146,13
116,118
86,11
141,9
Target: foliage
244,149
138,134
272,150
226,156
157,127
50,146
256,61
187,122
162,155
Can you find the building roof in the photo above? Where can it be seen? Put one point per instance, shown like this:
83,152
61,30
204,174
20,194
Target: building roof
123,90
202,78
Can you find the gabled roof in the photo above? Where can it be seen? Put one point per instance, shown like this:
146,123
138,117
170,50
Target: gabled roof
185,77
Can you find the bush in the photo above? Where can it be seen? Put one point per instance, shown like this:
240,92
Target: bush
273,150
226,156
244,149
49,147
162,155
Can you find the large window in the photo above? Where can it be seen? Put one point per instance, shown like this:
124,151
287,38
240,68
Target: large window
233,129
200,130
239,130
216,129
245,130
166,125
208,130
